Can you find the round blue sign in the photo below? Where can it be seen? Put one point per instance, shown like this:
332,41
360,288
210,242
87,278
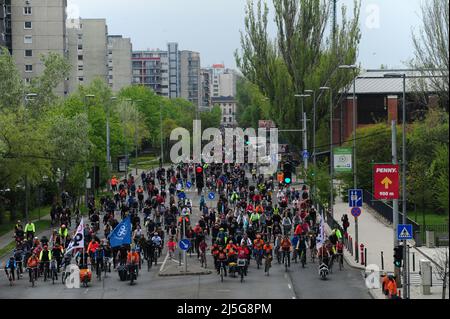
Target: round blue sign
356,211
181,195
184,244
188,184
211,196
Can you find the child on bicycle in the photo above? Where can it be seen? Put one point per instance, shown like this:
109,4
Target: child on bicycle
171,244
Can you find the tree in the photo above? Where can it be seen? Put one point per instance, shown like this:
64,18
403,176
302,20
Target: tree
431,54
302,56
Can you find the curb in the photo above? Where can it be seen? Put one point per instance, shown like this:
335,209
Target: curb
186,274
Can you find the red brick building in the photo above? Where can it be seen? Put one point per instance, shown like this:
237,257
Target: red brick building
379,100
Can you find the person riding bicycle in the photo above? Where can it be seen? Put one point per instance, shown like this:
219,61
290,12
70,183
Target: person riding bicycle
45,257
258,245
11,265
30,230
57,253
63,233
32,264
157,241
132,260
222,259
286,247
301,246
267,250
323,254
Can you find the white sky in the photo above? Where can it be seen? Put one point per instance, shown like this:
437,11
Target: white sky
212,27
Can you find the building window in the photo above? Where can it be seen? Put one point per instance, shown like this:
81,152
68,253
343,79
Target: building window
28,39
27,80
80,57
80,47
28,25
81,79
28,68
28,53
80,37
80,68
27,11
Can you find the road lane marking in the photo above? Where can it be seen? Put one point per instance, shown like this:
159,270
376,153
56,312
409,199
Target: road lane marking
164,263
290,287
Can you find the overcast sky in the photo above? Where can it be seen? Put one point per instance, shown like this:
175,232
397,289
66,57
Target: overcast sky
212,27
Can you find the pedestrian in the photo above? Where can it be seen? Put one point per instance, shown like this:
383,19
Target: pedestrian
345,223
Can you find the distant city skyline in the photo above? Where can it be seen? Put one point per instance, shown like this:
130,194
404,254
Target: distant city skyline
213,29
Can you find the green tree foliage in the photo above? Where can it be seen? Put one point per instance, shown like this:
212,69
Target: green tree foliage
302,56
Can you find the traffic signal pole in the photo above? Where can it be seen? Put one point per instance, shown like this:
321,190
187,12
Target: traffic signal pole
395,201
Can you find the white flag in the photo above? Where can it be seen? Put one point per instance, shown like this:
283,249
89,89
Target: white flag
321,237
78,240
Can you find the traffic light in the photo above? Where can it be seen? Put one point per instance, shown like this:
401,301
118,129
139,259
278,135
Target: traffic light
398,256
287,170
199,177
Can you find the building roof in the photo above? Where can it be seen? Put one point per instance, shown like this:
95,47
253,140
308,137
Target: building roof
374,82
223,99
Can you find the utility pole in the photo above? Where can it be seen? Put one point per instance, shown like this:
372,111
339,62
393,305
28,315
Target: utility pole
395,201
314,140
161,134
305,142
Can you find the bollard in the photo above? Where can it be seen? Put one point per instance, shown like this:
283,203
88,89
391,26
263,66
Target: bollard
365,256
414,262
361,247
356,252
382,261
400,293
351,245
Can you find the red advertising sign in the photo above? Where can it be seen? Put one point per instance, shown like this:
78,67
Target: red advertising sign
386,181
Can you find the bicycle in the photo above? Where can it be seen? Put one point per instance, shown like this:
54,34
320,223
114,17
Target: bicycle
10,275
303,258
222,270
203,258
54,270
340,258
19,268
285,259
33,272
242,266
46,269
107,262
258,258
268,264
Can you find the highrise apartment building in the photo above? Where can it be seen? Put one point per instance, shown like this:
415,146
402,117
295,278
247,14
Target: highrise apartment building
205,95
151,68
88,51
190,80
172,73
223,81
5,24
119,62
37,28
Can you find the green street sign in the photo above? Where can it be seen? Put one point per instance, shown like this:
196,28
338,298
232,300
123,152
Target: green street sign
343,159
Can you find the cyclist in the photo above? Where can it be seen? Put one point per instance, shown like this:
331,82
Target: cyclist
258,245
57,253
286,247
45,257
301,247
222,260
32,264
140,193
30,230
157,241
132,261
323,254
11,265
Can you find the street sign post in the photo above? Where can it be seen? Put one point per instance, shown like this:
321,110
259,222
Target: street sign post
386,181
404,232
355,197
211,196
184,244
181,195
188,184
305,154
356,211
343,159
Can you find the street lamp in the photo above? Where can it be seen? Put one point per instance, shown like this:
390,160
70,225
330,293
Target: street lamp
136,137
86,98
108,141
314,138
354,68
325,88
305,141
403,76
161,135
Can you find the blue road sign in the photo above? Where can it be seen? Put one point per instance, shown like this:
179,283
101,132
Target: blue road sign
356,211
181,195
188,184
305,154
184,244
211,196
404,232
355,197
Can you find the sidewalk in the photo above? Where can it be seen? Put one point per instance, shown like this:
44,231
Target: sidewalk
377,236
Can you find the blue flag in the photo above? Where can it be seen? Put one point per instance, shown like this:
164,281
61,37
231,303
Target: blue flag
121,234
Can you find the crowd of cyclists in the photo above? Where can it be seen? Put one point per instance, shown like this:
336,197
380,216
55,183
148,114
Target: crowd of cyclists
254,219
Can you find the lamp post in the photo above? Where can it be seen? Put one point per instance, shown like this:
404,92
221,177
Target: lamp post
324,88
28,97
108,142
404,219
136,137
305,141
314,139
86,98
161,134
354,67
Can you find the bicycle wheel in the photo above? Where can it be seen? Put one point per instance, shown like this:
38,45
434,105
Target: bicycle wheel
11,278
242,275
32,277
221,273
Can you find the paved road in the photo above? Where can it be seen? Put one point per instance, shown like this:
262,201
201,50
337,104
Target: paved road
296,283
